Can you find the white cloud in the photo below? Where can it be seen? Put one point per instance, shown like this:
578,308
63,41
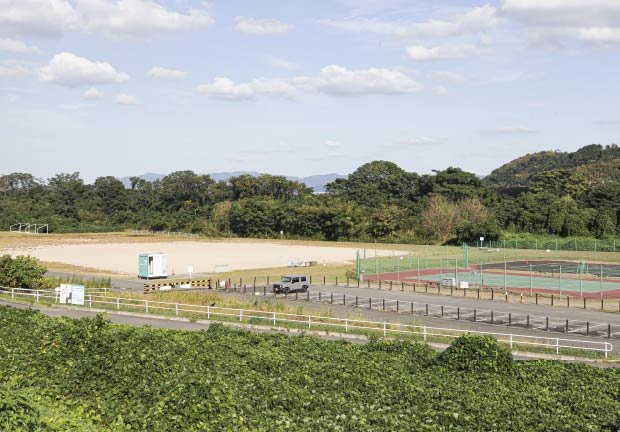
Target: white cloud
591,21
70,70
37,17
440,90
512,130
16,47
137,18
225,88
599,34
332,143
123,99
117,18
331,80
444,52
93,93
168,74
262,27
473,21
337,80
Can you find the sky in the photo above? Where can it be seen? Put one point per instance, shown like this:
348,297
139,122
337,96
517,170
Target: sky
292,87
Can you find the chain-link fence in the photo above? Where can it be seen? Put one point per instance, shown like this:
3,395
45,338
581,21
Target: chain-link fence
545,271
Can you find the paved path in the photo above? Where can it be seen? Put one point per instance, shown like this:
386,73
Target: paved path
340,311
498,305
114,317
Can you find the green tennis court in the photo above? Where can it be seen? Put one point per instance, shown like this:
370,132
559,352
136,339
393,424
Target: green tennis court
543,276
491,279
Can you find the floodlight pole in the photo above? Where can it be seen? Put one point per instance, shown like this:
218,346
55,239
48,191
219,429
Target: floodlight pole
376,264
505,288
560,280
418,268
601,282
456,272
364,260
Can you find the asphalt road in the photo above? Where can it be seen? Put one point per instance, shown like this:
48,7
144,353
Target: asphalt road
498,305
114,317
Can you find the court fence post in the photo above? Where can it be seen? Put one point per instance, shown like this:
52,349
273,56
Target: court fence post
560,281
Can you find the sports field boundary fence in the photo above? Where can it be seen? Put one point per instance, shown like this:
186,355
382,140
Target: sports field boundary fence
560,272
250,316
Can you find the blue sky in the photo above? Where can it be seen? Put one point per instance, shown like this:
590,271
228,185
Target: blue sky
122,87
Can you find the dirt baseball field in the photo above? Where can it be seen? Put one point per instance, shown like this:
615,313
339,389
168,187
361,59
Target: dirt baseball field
120,254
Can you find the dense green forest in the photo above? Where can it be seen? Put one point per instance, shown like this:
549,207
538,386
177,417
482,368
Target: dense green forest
59,374
546,193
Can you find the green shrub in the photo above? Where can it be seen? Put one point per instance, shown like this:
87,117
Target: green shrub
475,353
351,274
17,412
20,272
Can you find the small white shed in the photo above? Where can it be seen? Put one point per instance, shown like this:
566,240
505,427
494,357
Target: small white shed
152,266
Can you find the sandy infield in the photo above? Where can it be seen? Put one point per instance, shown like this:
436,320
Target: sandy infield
205,257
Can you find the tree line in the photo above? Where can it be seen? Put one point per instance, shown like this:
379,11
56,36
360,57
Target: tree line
378,201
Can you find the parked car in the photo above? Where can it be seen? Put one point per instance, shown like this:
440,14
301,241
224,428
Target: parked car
291,283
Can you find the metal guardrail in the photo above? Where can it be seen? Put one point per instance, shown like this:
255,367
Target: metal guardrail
275,318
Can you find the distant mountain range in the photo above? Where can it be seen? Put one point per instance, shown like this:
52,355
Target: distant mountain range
316,182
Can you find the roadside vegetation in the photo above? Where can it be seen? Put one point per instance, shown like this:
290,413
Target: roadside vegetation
28,272
113,378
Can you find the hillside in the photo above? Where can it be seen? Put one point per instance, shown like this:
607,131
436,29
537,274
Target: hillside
519,172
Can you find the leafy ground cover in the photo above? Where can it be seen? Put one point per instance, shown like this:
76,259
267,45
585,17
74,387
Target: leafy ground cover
63,374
